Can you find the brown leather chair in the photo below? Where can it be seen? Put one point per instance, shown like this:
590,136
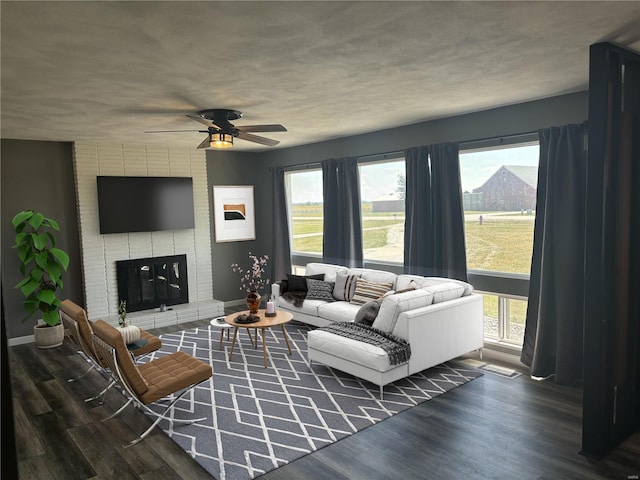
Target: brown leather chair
149,382
79,330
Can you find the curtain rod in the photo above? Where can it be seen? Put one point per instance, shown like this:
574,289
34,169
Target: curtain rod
369,157
500,138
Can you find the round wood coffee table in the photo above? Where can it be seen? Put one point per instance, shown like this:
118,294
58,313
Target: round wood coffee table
265,322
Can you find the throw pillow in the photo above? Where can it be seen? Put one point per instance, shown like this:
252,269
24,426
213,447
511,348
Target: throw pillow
319,290
298,283
367,291
345,286
368,312
284,286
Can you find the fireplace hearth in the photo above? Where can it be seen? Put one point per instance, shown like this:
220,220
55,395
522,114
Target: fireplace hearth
148,283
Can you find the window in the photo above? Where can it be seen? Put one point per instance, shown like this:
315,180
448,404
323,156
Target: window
499,197
504,319
382,191
304,190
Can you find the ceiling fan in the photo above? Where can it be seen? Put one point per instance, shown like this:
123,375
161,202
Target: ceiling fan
221,132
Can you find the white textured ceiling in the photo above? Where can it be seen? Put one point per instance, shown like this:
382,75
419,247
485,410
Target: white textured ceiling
109,71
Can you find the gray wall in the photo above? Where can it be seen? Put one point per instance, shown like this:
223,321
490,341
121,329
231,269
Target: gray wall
236,168
37,176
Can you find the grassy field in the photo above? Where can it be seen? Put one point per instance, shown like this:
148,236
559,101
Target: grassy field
503,242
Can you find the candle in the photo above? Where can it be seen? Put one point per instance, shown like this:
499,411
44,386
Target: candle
271,308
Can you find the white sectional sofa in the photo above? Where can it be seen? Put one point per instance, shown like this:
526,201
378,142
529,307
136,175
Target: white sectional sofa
440,318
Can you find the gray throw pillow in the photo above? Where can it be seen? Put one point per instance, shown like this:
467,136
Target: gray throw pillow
345,286
319,290
368,312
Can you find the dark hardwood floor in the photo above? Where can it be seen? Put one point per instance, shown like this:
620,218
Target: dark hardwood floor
492,427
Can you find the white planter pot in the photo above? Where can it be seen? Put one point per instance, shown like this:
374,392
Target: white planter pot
47,336
130,333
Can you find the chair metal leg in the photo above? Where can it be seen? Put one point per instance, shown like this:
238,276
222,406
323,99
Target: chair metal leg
117,412
163,415
91,367
101,394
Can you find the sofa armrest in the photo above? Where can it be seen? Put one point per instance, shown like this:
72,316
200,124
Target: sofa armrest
275,291
442,331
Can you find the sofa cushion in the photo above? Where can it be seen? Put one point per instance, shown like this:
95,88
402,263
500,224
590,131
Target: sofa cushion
445,291
344,287
368,312
319,290
352,351
338,311
405,280
367,290
310,307
328,269
298,283
393,305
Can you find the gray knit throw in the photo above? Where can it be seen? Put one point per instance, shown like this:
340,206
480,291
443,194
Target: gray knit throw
398,350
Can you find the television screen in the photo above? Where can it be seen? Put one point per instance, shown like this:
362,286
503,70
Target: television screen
145,204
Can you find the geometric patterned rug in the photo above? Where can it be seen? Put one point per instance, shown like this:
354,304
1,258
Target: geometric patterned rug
259,419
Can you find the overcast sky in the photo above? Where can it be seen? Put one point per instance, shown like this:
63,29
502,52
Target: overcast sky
381,179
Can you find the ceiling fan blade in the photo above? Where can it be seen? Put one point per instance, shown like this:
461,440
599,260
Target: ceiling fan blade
261,128
205,143
256,139
175,131
203,121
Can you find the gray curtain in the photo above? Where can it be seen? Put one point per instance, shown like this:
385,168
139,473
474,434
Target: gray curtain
447,213
418,244
342,232
281,248
434,227
554,324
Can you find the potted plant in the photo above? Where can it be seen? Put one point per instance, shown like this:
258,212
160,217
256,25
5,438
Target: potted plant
42,265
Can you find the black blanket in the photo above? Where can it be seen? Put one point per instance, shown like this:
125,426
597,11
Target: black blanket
399,351
297,298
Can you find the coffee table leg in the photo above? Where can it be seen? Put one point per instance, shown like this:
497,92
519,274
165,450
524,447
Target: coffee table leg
264,347
233,343
222,336
286,339
255,344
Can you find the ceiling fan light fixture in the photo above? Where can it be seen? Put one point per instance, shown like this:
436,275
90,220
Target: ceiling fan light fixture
221,140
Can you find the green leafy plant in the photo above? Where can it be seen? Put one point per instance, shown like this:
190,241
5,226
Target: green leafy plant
122,313
42,264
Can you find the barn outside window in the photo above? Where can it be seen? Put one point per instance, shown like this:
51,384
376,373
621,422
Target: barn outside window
499,196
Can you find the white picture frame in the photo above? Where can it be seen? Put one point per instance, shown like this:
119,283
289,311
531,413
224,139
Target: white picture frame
234,213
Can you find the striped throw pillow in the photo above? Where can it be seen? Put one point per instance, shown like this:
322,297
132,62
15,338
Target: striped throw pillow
367,291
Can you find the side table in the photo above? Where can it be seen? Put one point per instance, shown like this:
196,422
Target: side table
220,323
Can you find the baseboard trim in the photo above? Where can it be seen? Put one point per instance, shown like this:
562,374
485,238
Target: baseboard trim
12,342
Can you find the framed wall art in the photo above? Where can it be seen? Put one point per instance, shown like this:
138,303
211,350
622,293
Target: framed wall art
234,213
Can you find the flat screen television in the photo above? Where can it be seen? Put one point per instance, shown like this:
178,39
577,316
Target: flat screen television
145,204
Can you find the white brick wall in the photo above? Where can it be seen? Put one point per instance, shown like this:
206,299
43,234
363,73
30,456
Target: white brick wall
100,252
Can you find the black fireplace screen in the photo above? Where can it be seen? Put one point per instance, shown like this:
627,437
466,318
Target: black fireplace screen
147,283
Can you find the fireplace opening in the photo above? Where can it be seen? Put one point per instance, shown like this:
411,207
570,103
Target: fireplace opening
147,283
